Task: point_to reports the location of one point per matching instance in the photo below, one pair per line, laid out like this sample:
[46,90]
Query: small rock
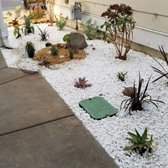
[129,91]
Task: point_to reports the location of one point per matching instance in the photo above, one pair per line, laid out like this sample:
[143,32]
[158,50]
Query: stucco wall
[151,17]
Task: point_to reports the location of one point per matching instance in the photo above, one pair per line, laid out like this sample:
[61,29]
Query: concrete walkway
[37,128]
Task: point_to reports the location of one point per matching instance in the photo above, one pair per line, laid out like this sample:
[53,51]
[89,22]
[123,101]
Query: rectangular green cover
[98,107]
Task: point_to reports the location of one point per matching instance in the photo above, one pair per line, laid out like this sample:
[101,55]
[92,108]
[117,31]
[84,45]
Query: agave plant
[138,97]
[121,75]
[140,143]
[43,34]
[82,83]
[164,71]
[27,27]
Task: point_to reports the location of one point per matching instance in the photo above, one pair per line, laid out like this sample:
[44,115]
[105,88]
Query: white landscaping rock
[100,69]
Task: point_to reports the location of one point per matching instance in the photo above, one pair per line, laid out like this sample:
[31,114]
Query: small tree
[119,24]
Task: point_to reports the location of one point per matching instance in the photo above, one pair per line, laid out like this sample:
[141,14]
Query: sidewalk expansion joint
[36,125]
[14,79]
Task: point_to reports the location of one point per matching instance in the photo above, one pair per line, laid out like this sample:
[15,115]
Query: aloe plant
[140,143]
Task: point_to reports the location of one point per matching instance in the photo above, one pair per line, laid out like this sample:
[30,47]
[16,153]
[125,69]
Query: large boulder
[76,41]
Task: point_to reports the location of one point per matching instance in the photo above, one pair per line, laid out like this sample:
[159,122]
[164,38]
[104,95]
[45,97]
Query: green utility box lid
[98,107]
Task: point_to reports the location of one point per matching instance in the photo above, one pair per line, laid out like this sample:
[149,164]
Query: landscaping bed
[100,68]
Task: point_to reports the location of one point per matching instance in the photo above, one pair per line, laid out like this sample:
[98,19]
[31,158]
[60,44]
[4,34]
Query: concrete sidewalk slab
[2,61]
[61,144]
[9,74]
[29,101]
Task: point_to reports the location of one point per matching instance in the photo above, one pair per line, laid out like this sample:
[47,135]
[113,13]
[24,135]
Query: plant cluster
[164,71]
[138,97]
[17,29]
[140,143]
[30,50]
[43,34]
[121,76]
[119,24]
[82,83]
[61,22]
[90,29]
[28,28]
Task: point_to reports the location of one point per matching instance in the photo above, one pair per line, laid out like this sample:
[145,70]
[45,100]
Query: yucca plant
[163,71]
[43,34]
[30,49]
[138,97]
[140,143]
[54,51]
[82,83]
[121,76]
[27,27]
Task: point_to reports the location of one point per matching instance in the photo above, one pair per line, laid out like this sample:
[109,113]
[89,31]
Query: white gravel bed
[100,68]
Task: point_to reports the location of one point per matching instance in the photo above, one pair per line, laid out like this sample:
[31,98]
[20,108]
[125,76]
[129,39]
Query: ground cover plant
[138,97]
[119,24]
[140,143]
[163,72]
[61,22]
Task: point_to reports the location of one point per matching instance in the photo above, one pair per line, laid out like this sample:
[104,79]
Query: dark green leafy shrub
[90,29]
[61,22]
[66,37]
[164,71]
[43,34]
[54,51]
[138,97]
[121,75]
[140,143]
[119,25]
[30,50]
[27,28]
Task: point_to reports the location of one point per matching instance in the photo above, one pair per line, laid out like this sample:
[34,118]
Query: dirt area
[62,56]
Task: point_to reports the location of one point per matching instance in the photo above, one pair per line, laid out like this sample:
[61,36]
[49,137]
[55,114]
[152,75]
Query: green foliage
[138,97]
[121,75]
[66,37]
[119,24]
[27,28]
[90,29]
[30,49]
[43,33]
[164,71]
[140,143]
[61,22]
[16,31]
[54,51]
[71,53]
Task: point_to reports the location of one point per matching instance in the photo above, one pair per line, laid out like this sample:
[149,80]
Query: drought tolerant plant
[61,22]
[54,51]
[119,24]
[43,34]
[27,27]
[66,37]
[30,50]
[90,29]
[164,71]
[16,31]
[138,97]
[82,83]
[121,76]
[140,143]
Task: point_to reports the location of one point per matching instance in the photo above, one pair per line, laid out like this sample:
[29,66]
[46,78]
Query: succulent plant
[30,49]
[82,83]
[121,76]
[27,28]
[43,34]
[140,143]
[54,51]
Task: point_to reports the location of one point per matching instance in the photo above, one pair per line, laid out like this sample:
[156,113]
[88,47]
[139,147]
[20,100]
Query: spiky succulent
[82,83]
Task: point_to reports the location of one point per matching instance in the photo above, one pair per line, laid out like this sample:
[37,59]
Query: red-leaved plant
[82,83]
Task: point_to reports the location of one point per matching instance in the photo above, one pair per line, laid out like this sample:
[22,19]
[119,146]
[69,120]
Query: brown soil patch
[63,54]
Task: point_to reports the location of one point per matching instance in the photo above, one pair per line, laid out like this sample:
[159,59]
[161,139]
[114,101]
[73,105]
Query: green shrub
[119,25]
[30,50]
[61,22]
[54,51]
[90,29]
[66,37]
[140,143]
[121,75]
